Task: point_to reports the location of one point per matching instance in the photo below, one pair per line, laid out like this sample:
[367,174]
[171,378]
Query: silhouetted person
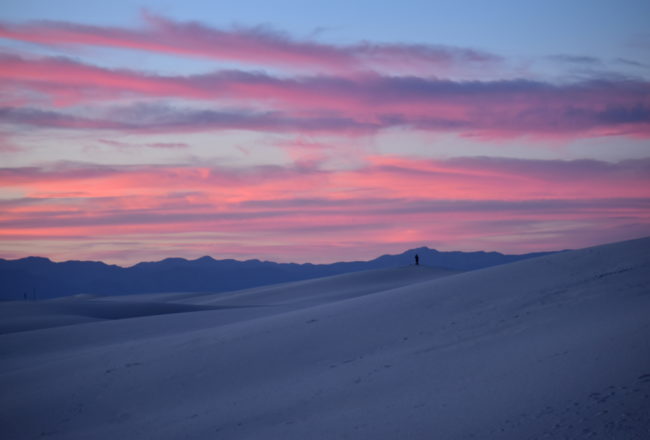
[417,260]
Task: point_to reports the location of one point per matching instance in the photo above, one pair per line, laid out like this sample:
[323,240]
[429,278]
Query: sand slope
[554,347]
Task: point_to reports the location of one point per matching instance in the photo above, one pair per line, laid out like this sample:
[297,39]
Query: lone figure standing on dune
[417,260]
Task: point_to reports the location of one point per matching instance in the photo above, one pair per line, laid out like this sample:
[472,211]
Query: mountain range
[41,278]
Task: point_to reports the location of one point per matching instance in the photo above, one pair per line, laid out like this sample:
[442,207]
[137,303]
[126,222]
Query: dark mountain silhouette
[40,278]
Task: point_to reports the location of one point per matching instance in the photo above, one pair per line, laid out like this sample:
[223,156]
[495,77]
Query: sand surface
[550,348]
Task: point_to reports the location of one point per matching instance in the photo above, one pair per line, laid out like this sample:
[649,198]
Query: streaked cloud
[261,45]
[372,102]
[384,192]
[274,151]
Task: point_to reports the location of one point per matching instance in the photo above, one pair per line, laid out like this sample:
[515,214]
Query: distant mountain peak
[36,260]
[422,249]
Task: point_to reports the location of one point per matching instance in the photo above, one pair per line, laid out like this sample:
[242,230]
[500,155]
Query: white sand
[555,347]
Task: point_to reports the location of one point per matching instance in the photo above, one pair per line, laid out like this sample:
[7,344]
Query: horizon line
[293,262]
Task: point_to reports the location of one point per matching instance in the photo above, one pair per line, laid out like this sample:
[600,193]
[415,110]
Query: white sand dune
[22,316]
[554,347]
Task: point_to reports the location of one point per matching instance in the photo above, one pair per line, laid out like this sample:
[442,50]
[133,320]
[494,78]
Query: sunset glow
[256,140]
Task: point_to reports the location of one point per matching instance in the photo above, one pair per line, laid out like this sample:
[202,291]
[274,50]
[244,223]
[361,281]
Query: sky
[323,131]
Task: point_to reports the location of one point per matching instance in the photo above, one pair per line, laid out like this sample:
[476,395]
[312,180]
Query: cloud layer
[387,200]
[368,102]
[253,45]
[296,95]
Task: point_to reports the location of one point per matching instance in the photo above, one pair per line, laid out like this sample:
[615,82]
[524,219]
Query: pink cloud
[69,82]
[388,202]
[380,178]
[255,45]
[331,104]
